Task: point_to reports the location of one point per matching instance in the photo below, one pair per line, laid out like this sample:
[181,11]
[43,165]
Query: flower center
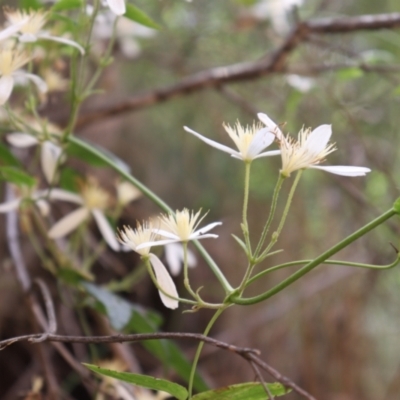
[11,60]
[94,196]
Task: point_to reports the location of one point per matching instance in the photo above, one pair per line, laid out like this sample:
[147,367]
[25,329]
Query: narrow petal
[10,206]
[39,82]
[207,228]
[262,139]
[165,282]
[49,159]
[212,143]
[105,229]
[319,138]
[117,6]
[20,139]
[174,257]
[11,30]
[6,87]
[166,234]
[156,243]
[64,195]
[271,125]
[63,40]
[269,154]
[196,236]
[67,224]
[27,38]
[343,170]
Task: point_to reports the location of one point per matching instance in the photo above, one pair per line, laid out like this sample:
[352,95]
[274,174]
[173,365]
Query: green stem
[319,260]
[245,225]
[271,214]
[155,199]
[329,262]
[199,348]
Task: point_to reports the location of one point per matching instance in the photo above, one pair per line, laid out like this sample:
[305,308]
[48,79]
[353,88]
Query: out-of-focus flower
[300,83]
[250,141]
[30,24]
[10,63]
[134,238]
[126,193]
[37,196]
[93,200]
[55,82]
[117,6]
[127,32]
[51,153]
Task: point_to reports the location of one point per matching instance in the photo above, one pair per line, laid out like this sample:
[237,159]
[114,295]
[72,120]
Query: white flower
[10,62]
[50,156]
[174,257]
[300,83]
[143,234]
[250,141]
[93,201]
[36,196]
[117,6]
[126,193]
[181,227]
[27,26]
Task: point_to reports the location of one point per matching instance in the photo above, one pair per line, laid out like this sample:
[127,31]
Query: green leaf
[75,150]
[351,73]
[144,380]
[69,179]
[74,276]
[7,158]
[62,5]
[135,14]
[16,176]
[243,391]
[30,4]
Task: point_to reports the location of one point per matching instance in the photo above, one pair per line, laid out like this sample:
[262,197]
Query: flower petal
[64,195]
[6,87]
[10,205]
[343,170]
[212,143]
[67,224]
[174,257]
[49,159]
[196,236]
[27,38]
[262,139]
[165,282]
[269,154]
[39,82]
[166,234]
[117,6]
[63,40]
[319,138]
[105,229]
[207,228]
[20,139]
[12,29]
[271,125]
[156,243]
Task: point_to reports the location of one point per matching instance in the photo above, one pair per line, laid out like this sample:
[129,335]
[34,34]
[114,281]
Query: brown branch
[251,355]
[215,77]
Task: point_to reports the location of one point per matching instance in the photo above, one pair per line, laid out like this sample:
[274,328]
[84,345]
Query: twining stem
[328,262]
[317,261]
[200,347]
[271,214]
[155,199]
[245,225]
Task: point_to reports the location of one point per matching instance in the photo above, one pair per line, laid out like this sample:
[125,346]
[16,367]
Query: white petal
[262,139]
[6,87]
[49,159]
[67,224]
[27,38]
[207,228]
[117,6]
[344,170]
[174,257]
[43,207]
[156,243]
[269,154]
[11,30]
[20,139]
[166,234]
[105,229]
[196,236]
[64,195]
[271,125]
[63,40]
[39,82]
[212,143]
[165,282]
[319,138]
[10,206]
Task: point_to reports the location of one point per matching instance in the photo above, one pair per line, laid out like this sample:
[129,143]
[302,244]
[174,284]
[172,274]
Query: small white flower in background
[127,193]
[51,153]
[30,24]
[300,83]
[10,63]
[37,196]
[181,227]
[143,234]
[250,141]
[93,200]
[309,150]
